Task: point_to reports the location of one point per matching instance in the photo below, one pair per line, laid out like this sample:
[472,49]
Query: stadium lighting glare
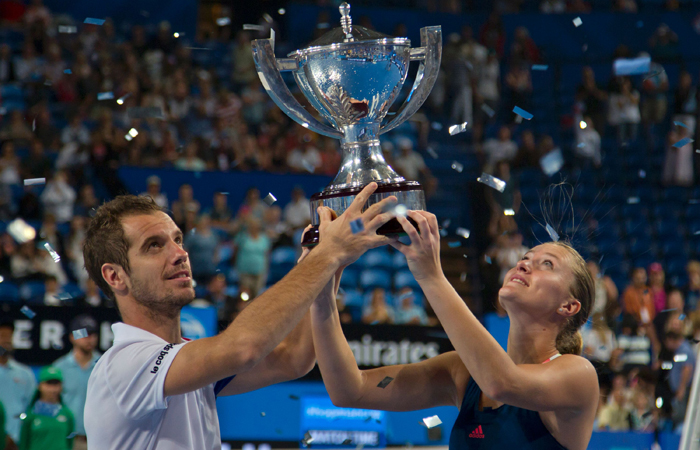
[583,125]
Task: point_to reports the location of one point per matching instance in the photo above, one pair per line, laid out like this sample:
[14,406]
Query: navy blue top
[506,427]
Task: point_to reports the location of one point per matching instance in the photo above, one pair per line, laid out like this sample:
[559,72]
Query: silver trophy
[351,76]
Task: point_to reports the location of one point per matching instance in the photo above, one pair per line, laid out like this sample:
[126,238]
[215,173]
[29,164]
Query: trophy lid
[348,33]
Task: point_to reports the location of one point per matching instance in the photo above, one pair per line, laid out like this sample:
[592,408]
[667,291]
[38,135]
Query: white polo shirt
[126,408]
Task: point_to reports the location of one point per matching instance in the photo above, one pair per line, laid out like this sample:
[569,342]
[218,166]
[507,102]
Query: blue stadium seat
[353,297]
[378,257]
[666,210]
[675,195]
[637,228]
[9,292]
[667,228]
[399,261]
[404,279]
[283,255]
[349,278]
[232,276]
[692,211]
[635,211]
[32,291]
[278,271]
[372,278]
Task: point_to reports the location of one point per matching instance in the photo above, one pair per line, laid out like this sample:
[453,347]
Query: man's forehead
[139,227]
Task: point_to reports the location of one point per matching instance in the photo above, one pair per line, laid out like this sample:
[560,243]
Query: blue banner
[198,322]
[329,425]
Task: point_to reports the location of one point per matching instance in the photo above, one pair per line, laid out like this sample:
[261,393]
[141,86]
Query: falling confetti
[540,67]
[488,110]
[385,382]
[27,312]
[223,21]
[552,162]
[263,414]
[437,126]
[459,128]
[432,153]
[92,21]
[66,29]
[683,142]
[632,200]
[459,167]
[642,173]
[681,124]
[522,113]
[632,66]
[308,439]
[308,166]
[454,244]
[34,181]
[56,257]
[432,421]
[79,334]
[462,232]
[578,22]
[509,212]
[253,27]
[120,100]
[492,181]
[357,226]
[347,441]
[400,210]
[144,112]
[21,231]
[552,233]
[487,259]
[463,277]
[270,199]
[105,95]
[67,72]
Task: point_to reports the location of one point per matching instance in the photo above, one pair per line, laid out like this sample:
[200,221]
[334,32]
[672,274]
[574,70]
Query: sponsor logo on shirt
[159,359]
[477,433]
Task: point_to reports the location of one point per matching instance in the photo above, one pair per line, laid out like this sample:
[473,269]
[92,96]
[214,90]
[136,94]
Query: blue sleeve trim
[221,384]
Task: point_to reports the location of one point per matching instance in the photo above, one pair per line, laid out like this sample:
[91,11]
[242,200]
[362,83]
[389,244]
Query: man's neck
[163,326]
[4,360]
[81,357]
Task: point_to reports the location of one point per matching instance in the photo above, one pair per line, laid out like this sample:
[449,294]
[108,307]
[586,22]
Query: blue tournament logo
[192,327]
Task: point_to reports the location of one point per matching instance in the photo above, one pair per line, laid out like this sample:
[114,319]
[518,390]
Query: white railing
[690,440]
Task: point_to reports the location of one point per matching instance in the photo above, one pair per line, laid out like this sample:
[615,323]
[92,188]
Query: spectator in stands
[637,300]
[58,197]
[48,423]
[190,159]
[378,311]
[523,49]
[681,374]
[75,132]
[76,366]
[330,157]
[673,317]
[528,154]
[220,213]
[305,157]
[297,213]
[52,292]
[588,144]
[643,416]
[606,293]
[625,6]
[202,244]
[488,89]
[185,203]
[17,384]
[226,305]
[153,191]
[44,129]
[519,85]
[657,280]
[409,312]
[87,202]
[493,35]
[7,65]
[692,290]
[92,296]
[664,44]
[506,202]
[25,263]
[686,102]
[243,64]
[592,99]
[508,250]
[623,111]
[678,164]
[28,65]
[599,343]
[252,248]
[9,164]
[49,233]
[343,310]
[633,346]
[654,97]
[615,416]
[501,149]
[36,164]
[277,230]
[411,165]
[7,249]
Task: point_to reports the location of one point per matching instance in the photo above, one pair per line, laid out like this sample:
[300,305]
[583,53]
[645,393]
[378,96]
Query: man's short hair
[8,324]
[105,241]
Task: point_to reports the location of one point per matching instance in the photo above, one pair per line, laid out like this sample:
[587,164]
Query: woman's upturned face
[540,282]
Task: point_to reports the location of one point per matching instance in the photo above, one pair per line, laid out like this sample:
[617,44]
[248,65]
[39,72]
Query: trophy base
[408,193]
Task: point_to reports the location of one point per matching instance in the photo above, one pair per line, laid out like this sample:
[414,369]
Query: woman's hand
[423,254]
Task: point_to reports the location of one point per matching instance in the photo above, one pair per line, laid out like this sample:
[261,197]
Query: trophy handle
[429,54]
[269,73]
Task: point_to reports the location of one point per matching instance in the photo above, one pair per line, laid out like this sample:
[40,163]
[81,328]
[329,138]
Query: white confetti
[34,181]
[270,199]
[552,162]
[432,421]
[462,232]
[509,212]
[492,181]
[488,110]
[105,95]
[67,29]
[79,334]
[432,152]
[27,312]
[457,166]
[223,21]
[456,129]
[253,27]
[632,200]
[578,22]
[21,231]
[552,233]
[56,257]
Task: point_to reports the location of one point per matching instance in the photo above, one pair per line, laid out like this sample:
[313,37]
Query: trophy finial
[346,21]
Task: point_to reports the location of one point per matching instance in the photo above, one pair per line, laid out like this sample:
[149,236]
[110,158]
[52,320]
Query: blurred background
[607,161]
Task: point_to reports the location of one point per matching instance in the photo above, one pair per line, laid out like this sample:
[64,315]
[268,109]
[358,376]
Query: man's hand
[336,236]
[423,255]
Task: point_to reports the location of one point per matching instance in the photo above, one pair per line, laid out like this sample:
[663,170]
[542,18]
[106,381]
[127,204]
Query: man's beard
[168,305]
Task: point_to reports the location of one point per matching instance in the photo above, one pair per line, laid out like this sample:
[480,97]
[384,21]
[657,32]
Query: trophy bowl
[351,76]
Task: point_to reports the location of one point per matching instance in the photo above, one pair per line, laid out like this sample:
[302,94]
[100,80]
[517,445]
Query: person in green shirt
[48,424]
